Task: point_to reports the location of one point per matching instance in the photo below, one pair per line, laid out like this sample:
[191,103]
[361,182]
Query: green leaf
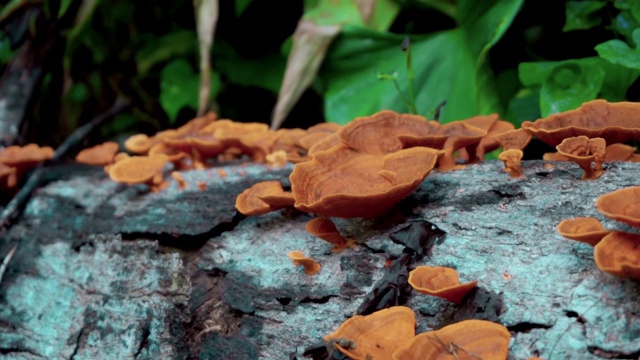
[156,50]
[265,72]
[241,6]
[568,86]
[634,6]
[332,12]
[6,53]
[179,86]
[448,66]
[618,52]
[613,85]
[446,72]
[624,23]
[446,7]
[64,6]
[582,15]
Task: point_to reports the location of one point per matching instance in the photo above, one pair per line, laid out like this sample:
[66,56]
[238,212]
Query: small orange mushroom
[583,229]
[374,336]
[311,267]
[277,158]
[177,176]
[262,198]
[138,144]
[468,339]
[584,151]
[513,139]
[441,282]
[326,230]
[619,254]
[512,159]
[621,205]
[101,155]
[202,186]
[140,170]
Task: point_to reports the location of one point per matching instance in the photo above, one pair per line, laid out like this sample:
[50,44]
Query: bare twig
[6,260]
[14,208]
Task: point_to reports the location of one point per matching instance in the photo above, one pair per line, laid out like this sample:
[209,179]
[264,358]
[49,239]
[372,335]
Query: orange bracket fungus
[263,197]
[8,178]
[583,229]
[140,170]
[619,254]
[621,205]
[459,135]
[101,155]
[488,143]
[512,159]
[138,144]
[381,133]
[342,182]
[584,151]
[24,158]
[441,282]
[311,267]
[614,122]
[374,336]
[469,339]
[326,230]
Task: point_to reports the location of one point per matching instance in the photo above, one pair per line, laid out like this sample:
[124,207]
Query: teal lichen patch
[124,297]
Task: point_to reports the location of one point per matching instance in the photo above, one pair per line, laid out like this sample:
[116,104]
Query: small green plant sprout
[409,102]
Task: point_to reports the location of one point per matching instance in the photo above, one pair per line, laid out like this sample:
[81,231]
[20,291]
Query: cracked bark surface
[220,286]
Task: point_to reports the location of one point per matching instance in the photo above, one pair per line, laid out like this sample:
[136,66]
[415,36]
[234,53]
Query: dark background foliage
[548,56]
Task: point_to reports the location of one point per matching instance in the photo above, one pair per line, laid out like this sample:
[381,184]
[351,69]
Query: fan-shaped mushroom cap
[583,151]
[324,127]
[374,336]
[311,267]
[584,229]
[379,133]
[441,282]
[469,339]
[24,158]
[621,205]
[101,155]
[614,122]
[262,198]
[139,169]
[138,144]
[342,182]
[310,139]
[513,139]
[487,143]
[325,144]
[326,230]
[459,135]
[174,155]
[512,161]
[619,254]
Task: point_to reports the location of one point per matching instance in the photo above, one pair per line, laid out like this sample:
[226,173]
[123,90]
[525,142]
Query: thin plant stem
[406,46]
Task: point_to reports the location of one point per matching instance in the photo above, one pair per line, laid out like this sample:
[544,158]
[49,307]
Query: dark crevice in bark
[186,241]
[77,347]
[612,354]
[525,327]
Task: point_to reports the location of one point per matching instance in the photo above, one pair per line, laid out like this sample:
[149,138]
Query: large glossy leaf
[624,23]
[265,72]
[447,67]
[618,52]
[611,81]
[568,86]
[179,86]
[582,15]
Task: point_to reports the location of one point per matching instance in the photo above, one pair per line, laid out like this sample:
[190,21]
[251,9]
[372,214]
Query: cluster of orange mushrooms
[614,252]
[390,334]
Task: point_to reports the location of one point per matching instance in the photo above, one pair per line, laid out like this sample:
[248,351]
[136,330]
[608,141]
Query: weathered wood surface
[105,271]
